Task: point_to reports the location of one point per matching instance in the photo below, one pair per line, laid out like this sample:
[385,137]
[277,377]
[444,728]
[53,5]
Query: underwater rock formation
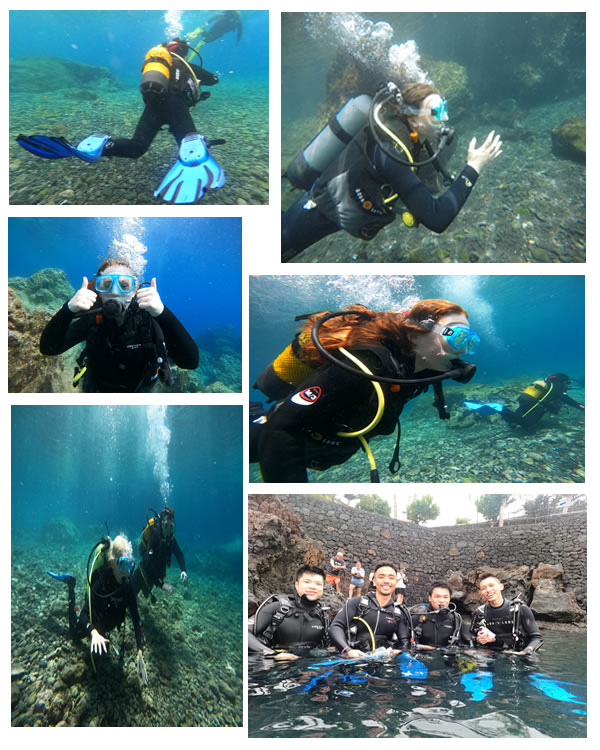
[59,531]
[41,74]
[47,289]
[568,140]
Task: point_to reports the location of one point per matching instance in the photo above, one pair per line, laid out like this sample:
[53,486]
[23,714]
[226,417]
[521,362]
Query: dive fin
[90,149]
[194,170]
[54,147]
[484,409]
[66,577]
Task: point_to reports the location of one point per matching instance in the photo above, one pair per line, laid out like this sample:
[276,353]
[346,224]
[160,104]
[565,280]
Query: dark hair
[385,564]
[487,575]
[439,585]
[113,262]
[314,569]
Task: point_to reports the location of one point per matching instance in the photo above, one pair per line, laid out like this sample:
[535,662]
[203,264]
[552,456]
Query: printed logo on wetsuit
[467,181]
[307,397]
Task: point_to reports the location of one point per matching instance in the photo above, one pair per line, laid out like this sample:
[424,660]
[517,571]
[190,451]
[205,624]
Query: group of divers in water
[113,581]
[347,375]
[171,86]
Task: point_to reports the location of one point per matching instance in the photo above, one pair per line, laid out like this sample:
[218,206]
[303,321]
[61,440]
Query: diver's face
[432,350]
[426,125]
[168,528]
[310,585]
[385,581]
[438,598]
[114,292]
[491,590]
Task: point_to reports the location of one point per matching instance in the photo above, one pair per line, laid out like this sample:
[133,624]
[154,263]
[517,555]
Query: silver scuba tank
[312,161]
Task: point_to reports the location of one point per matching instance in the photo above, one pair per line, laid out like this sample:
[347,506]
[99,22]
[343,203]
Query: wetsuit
[291,623]
[121,358]
[351,193]
[229,20]
[110,602]
[156,557]
[300,432]
[389,624]
[501,621]
[540,397]
[440,628]
[171,108]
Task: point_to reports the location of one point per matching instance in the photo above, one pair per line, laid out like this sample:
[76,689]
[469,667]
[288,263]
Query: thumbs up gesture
[83,299]
[149,299]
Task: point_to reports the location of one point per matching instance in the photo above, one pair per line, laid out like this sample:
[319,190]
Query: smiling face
[385,581]
[432,350]
[439,597]
[491,590]
[310,585]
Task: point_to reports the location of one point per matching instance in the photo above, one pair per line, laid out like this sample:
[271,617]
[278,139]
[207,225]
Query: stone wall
[433,553]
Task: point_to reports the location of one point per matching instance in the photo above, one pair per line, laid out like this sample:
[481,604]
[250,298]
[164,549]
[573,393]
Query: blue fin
[485,409]
[478,684]
[51,147]
[411,667]
[66,577]
[194,170]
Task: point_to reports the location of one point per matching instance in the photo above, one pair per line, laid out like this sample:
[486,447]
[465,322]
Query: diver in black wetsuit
[504,624]
[166,105]
[128,331]
[327,411]
[436,625]
[157,545]
[358,191]
[228,20]
[109,595]
[367,622]
[541,397]
[293,624]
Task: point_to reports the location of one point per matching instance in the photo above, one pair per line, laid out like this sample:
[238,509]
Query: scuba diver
[109,595]
[157,545]
[348,375]
[128,331]
[504,624]
[367,160]
[223,23]
[538,398]
[366,623]
[286,627]
[170,87]
[438,624]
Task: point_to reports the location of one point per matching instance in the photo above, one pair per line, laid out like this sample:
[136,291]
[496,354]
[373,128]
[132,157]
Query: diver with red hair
[347,376]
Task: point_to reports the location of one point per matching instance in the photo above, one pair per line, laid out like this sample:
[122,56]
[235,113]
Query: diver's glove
[99,643]
[141,668]
[184,577]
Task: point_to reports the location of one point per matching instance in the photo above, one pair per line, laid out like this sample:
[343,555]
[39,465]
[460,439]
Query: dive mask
[125,565]
[115,282]
[459,337]
[441,111]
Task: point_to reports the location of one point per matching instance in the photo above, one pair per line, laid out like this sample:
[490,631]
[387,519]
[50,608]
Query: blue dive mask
[125,565]
[461,339]
[107,282]
[441,111]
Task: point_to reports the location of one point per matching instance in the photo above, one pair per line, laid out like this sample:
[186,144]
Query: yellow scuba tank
[145,535]
[156,71]
[537,389]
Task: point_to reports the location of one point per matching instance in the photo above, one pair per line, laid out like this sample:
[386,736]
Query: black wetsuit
[110,602]
[156,557]
[362,176]
[119,358]
[171,108]
[531,408]
[229,20]
[439,628]
[389,625]
[301,431]
[303,626]
[500,620]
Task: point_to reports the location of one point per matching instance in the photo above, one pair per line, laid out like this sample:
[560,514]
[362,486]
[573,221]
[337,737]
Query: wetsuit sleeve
[261,623]
[475,625]
[281,442]
[571,402]
[205,77]
[434,213]
[337,631]
[466,637]
[529,625]
[178,555]
[403,632]
[63,332]
[180,345]
[135,618]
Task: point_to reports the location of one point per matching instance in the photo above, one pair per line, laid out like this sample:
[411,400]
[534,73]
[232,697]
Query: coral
[568,139]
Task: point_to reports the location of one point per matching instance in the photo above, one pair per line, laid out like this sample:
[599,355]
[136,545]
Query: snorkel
[391,93]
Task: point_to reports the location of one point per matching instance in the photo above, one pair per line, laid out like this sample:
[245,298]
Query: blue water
[119,40]
[530,326]
[93,464]
[196,262]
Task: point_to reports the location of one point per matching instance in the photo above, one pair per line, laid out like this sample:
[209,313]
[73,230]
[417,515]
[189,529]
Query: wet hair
[375,328]
[312,569]
[487,575]
[120,546]
[439,585]
[385,564]
[414,93]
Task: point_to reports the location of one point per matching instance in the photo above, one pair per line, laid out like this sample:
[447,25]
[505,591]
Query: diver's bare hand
[149,299]
[99,643]
[479,158]
[285,656]
[83,299]
[355,653]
